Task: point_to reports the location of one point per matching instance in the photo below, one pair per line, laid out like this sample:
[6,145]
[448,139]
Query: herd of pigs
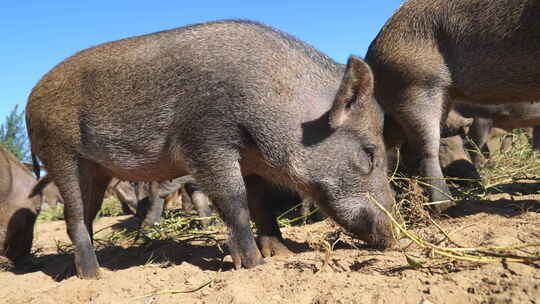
[240,110]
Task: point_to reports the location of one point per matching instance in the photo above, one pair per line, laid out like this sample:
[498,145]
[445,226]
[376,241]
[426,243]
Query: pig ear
[356,88]
[39,186]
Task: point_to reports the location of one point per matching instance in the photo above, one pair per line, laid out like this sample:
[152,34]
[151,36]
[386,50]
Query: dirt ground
[350,273]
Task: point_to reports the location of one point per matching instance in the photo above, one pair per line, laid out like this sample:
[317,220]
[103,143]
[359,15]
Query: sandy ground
[350,273]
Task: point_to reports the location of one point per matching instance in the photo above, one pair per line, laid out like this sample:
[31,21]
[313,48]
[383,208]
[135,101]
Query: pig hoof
[271,246]
[437,209]
[248,260]
[250,263]
[95,275]
[247,263]
[88,273]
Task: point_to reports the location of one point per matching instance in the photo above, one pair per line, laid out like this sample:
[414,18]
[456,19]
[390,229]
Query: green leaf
[414,262]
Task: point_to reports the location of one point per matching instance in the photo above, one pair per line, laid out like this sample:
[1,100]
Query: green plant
[54,213]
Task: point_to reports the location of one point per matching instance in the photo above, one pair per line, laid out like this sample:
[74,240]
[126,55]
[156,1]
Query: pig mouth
[371,223]
[375,235]
[377,240]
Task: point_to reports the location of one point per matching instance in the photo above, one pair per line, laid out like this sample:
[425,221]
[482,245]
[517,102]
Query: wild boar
[229,99]
[432,52]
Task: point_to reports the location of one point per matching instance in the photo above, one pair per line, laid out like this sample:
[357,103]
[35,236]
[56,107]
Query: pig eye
[370,150]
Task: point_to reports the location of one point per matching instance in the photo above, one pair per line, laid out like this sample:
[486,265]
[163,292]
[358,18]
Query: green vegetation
[55,213]
[177,225]
[509,173]
[512,173]
[13,135]
[518,163]
[110,207]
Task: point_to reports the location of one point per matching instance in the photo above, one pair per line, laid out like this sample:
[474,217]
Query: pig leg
[201,202]
[155,206]
[187,204]
[308,207]
[128,200]
[479,133]
[93,192]
[220,177]
[269,234]
[486,152]
[71,181]
[171,200]
[507,142]
[423,134]
[536,139]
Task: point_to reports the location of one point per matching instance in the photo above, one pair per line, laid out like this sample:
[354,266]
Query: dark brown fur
[220,101]
[433,51]
[148,200]
[504,116]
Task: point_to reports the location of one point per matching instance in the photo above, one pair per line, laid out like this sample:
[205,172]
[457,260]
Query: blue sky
[36,35]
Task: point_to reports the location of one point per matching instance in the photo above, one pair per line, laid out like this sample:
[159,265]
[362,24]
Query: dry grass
[408,216]
[519,163]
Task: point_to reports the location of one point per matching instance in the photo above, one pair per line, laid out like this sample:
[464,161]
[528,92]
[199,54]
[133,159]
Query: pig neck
[294,126]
